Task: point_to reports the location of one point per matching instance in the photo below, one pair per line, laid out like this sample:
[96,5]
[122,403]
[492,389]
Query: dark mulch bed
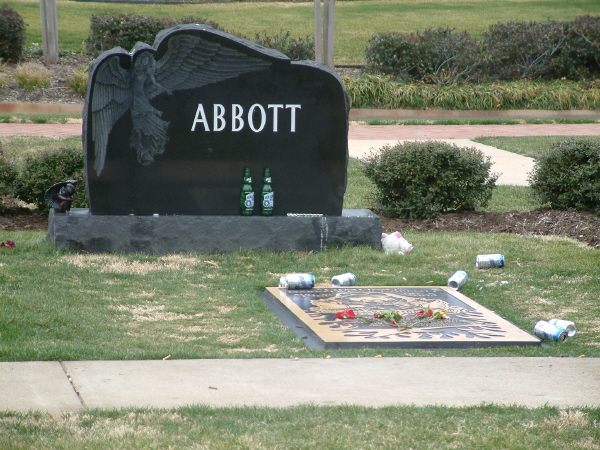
[580,225]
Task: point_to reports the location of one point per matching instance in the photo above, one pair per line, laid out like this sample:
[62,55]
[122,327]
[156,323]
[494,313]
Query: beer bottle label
[249,202]
[268,200]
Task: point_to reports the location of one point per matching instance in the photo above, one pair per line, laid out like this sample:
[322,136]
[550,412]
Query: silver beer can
[458,280]
[297,281]
[566,325]
[488,261]
[345,279]
[549,332]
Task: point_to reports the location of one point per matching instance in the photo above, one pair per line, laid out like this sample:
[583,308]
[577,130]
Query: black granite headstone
[169,129]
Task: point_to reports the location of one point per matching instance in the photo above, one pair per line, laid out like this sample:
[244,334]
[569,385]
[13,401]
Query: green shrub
[513,50]
[423,179]
[521,49]
[580,56]
[43,169]
[125,30]
[31,76]
[12,34]
[434,56]
[8,175]
[297,49]
[567,175]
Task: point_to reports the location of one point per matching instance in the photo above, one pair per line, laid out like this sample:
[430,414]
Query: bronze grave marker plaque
[311,314]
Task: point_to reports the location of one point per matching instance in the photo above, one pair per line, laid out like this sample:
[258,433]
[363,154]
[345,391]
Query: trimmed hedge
[567,175]
[424,179]
[12,34]
[45,168]
[125,30]
[507,51]
[433,56]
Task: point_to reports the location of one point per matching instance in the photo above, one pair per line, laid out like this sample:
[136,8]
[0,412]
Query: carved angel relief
[189,62]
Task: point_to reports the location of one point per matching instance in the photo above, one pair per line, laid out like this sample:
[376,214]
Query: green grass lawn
[356,21]
[306,427]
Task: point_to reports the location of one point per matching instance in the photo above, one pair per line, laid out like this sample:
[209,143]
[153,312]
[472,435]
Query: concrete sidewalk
[76,385]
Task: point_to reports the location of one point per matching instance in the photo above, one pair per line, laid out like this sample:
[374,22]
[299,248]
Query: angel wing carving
[189,62]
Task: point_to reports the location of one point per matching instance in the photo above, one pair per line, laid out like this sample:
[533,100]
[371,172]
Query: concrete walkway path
[76,385]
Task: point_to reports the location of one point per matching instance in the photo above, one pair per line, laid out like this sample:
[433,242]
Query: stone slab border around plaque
[81,231]
[310,313]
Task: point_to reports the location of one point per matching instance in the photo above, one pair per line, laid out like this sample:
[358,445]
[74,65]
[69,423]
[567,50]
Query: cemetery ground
[60,305]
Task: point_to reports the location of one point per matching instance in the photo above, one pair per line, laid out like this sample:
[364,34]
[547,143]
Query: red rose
[345,314]
[425,312]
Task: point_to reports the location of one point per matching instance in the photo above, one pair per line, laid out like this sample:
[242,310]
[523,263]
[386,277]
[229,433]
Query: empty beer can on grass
[566,325]
[458,280]
[345,279]
[549,332]
[297,281]
[488,261]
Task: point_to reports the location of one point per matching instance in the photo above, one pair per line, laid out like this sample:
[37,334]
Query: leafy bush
[12,34]
[520,49]
[512,50]
[434,56]
[580,56]
[8,175]
[43,169]
[297,49]
[125,30]
[31,76]
[423,179]
[567,175]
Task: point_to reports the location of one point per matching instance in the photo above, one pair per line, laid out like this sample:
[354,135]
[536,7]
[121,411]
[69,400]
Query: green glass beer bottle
[247,194]
[267,195]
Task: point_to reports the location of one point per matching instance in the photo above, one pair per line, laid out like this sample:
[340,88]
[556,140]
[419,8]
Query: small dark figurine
[60,196]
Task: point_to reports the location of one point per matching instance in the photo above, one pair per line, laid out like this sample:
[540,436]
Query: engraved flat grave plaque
[312,312]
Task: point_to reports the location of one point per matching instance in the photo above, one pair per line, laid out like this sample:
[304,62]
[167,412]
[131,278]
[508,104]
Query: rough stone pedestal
[79,230]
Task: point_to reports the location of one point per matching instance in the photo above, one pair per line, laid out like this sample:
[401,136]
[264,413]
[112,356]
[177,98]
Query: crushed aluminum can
[566,325]
[297,281]
[345,279]
[549,332]
[458,280]
[488,261]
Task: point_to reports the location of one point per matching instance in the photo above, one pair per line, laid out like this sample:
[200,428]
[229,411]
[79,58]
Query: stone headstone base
[81,231]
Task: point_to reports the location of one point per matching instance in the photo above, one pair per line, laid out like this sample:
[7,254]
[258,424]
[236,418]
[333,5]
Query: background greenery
[356,21]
